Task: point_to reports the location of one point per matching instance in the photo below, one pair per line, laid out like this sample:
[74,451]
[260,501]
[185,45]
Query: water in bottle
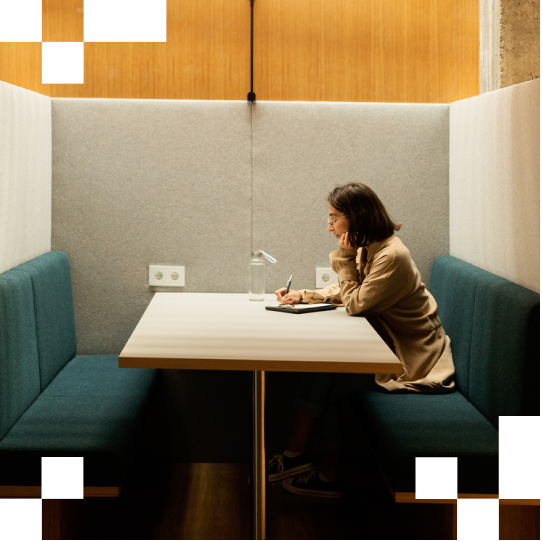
[256,286]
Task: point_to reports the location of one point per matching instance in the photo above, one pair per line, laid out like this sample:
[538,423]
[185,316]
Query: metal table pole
[258,456]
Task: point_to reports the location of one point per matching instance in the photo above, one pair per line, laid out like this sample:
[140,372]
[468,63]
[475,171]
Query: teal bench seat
[493,325]
[402,427]
[53,402]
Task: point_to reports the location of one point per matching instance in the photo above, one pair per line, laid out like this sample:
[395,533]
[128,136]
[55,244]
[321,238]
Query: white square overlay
[125,20]
[20,519]
[520,472]
[477,519]
[436,478]
[63,62]
[62,477]
[20,20]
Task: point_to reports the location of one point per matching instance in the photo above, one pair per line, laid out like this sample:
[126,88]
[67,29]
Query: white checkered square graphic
[436,478]
[20,519]
[62,478]
[519,457]
[20,20]
[477,519]
[125,20]
[63,62]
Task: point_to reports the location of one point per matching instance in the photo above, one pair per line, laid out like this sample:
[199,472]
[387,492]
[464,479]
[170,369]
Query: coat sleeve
[384,285]
[330,294]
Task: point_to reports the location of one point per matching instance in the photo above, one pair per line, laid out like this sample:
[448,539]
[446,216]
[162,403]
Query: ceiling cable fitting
[251,96]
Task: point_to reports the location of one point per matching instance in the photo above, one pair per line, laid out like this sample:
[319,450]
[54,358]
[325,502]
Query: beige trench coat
[384,285]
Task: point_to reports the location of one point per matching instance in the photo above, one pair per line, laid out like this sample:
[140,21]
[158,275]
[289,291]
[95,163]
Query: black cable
[251,95]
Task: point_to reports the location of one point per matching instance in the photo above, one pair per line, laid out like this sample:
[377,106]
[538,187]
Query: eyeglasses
[331,221]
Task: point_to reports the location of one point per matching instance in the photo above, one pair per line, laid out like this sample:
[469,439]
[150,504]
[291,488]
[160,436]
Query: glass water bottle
[256,287]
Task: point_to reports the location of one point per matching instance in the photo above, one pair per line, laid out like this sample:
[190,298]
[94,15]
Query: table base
[258,456]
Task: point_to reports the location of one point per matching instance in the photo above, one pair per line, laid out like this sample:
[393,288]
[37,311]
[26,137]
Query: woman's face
[339,226]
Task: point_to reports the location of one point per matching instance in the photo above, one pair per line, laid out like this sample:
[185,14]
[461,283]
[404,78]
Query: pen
[286,293]
[288,286]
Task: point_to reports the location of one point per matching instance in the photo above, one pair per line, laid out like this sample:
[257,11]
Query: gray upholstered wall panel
[139,182]
[301,151]
[495,182]
[25,175]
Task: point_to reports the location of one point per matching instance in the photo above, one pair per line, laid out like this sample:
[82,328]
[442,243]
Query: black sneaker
[281,466]
[312,485]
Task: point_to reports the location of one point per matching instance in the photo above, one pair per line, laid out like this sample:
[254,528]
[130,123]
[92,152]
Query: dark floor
[167,500]
[212,501]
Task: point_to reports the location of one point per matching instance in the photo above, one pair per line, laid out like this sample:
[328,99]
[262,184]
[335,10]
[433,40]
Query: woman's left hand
[344,243]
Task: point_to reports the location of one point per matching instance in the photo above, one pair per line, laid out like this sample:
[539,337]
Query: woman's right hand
[293,297]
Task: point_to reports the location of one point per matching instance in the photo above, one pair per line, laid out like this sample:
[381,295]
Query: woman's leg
[303,425]
[319,397]
[328,438]
[312,393]
[309,405]
[329,466]
[330,433]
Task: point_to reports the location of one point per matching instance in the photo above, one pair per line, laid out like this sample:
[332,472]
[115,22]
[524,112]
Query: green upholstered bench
[52,401]
[493,325]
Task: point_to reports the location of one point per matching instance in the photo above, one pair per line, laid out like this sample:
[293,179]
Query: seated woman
[377,280]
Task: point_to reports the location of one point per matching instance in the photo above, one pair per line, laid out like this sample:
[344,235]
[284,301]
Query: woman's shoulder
[393,247]
[393,256]
[398,246]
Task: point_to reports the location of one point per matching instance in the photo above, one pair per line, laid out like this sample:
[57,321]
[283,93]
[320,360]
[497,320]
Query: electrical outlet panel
[166,276]
[325,276]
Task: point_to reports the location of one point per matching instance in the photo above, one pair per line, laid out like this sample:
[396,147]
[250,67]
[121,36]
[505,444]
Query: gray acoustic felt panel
[140,182]
[301,151]
[200,184]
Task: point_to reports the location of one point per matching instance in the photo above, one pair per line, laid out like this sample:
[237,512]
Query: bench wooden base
[518,519]
[410,497]
[58,516]
[35,492]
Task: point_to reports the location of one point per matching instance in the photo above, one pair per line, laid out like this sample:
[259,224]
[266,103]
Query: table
[226,331]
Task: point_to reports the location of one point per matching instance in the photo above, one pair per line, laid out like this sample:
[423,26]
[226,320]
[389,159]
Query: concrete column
[509,43]
[520,41]
[490,36]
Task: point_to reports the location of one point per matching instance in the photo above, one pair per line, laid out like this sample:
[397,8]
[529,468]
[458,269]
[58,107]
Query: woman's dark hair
[367,217]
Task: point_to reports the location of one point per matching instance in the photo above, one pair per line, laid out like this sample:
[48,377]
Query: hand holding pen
[285,295]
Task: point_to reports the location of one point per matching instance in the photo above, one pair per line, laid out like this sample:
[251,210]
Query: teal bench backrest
[494,328]
[19,364]
[53,303]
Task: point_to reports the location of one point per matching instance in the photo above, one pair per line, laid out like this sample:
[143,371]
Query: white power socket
[325,276]
[166,275]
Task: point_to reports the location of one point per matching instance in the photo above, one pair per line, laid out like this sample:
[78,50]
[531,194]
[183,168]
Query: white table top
[226,331]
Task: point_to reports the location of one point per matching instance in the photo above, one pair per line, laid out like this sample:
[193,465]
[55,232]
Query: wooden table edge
[261,366]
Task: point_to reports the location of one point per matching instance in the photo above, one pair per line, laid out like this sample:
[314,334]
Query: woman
[377,280]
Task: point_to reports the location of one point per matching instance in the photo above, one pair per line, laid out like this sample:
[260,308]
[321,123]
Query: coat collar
[375,247]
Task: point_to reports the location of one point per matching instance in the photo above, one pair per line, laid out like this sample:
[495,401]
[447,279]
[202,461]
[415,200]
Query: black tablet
[301,308]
